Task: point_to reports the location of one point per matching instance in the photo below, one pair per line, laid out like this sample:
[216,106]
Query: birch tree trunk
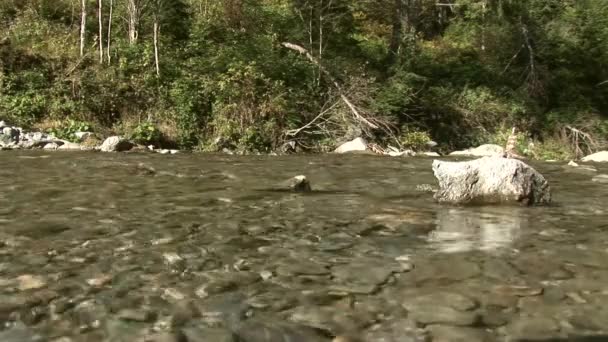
[156,33]
[133,20]
[110,31]
[100,17]
[83,24]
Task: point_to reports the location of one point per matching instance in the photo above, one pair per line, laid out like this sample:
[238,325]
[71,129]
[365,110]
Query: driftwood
[343,97]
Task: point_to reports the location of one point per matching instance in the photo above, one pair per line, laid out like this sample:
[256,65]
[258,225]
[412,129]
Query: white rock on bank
[51,146]
[115,144]
[11,132]
[406,153]
[490,180]
[430,154]
[355,145]
[70,146]
[599,157]
[487,150]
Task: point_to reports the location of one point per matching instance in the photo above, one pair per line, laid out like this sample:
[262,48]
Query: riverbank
[12,137]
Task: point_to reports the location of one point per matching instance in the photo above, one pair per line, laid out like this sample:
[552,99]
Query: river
[193,247]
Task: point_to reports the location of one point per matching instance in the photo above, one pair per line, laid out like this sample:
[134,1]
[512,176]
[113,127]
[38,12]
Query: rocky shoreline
[16,138]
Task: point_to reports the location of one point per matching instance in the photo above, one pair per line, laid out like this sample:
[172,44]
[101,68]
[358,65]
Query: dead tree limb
[579,138]
[344,98]
[295,132]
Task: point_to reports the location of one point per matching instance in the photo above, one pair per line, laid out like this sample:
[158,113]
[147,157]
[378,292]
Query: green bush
[415,140]
[67,130]
[146,133]
[552,149]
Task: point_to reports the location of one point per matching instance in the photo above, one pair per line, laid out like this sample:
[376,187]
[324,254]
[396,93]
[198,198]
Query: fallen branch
[344,98]
[578,138]
[295,132]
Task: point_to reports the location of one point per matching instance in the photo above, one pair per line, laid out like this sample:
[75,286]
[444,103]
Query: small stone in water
[172,258]
[519,291]
[266,275]
[172,294]
[99,281]
[161,241]
[298,184]
[137,315]
[30,282]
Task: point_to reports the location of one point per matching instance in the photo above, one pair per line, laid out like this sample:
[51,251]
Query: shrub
[415,140]
[146,133]
[67,129]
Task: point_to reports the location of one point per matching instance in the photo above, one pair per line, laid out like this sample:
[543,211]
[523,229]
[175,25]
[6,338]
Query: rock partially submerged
[599,157]
[487,150]
[298,184]
[490,180]
[355,145]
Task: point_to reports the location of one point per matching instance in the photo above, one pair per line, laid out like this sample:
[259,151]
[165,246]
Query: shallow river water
[145,247]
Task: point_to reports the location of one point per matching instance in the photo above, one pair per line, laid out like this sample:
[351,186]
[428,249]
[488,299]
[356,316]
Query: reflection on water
[477,228]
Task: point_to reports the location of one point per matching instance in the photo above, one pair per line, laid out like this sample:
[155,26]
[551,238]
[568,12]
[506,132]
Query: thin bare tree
[156,33]
[110,31]
[100,17]
[83,24]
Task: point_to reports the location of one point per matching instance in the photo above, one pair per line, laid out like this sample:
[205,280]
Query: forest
[305,75]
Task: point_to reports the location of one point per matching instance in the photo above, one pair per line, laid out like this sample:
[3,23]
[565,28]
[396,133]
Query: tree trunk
[83,24]
[100,17]
[110,30]
[156,33]
[397,27]
[133,20]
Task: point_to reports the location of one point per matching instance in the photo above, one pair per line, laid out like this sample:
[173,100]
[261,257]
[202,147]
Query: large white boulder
[599,157]
[355,145]
[116,144]
[490,180]
[487,150]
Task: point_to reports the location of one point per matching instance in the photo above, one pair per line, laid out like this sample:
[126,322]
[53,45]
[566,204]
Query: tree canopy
[255,74]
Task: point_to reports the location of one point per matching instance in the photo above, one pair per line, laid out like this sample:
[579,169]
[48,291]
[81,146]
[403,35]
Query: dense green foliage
[462,74]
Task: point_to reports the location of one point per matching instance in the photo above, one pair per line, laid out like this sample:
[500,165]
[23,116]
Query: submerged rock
[486,150]
[490,180]
[115,144]
[599,157]
[355,145]
[20,333]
